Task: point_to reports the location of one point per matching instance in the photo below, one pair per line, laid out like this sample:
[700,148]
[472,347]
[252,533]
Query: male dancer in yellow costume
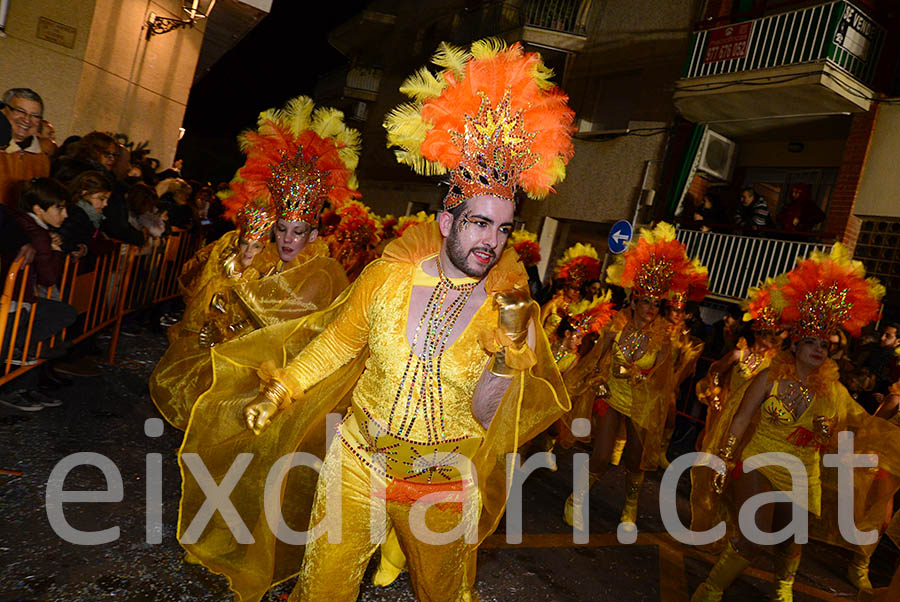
[288,279]
[432,348]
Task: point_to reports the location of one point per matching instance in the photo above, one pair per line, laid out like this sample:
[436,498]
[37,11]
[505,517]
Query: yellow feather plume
[577,250]
[452,58]
[521,236]
[422,85]
[487,48]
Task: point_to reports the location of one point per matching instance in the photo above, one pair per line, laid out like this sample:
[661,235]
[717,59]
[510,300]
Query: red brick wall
[840,218]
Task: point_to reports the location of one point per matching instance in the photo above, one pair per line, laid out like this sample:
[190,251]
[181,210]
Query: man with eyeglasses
[23,158]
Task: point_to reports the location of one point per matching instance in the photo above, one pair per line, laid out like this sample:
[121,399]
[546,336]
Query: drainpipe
[4,9]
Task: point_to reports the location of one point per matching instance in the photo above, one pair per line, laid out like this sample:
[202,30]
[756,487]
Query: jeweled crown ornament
[298,188]
[490,117]
[254,221]
[657,267]
[495,150]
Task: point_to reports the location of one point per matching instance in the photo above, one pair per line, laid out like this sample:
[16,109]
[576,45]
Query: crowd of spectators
[80,199]
[751,214]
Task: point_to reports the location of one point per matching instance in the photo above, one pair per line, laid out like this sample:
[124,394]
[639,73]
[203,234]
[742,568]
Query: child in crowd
[90,191]
[42,206]
[143,213]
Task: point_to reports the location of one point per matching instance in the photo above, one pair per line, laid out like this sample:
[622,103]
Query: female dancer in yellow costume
[633,361]
[795,407]
[212,312]
[578,265]
[722,390]
[685,348]
[288,279]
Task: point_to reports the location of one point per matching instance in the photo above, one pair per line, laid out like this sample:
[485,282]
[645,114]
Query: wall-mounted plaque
[56,33]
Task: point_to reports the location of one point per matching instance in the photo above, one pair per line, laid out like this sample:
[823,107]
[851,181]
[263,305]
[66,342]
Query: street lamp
[195,9]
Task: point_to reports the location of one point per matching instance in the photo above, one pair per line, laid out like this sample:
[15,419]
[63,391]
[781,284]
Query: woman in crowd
[627,378]
[795,407]
[99,152]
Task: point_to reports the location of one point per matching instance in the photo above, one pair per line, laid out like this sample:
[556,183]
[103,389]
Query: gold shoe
[785,571]
[727,568]
[858,573]
[630,511]
[569,510]
[392,562]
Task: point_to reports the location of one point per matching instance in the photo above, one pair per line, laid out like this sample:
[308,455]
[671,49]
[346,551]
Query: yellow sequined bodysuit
[781,430]
[624,374]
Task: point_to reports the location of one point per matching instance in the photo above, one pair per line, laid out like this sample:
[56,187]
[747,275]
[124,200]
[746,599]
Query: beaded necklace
[635,342]
[423,374]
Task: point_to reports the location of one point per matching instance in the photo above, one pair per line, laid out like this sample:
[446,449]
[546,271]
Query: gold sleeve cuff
[277,384]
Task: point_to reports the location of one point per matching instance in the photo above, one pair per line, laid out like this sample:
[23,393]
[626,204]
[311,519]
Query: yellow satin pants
[333,572]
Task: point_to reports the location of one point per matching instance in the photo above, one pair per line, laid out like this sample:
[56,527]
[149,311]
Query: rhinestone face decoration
[495,150]
[298,188]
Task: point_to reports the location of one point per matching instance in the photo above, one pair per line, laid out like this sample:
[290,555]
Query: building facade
[96,68]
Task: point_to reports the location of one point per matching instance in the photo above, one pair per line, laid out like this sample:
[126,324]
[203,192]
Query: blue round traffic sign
[619,236]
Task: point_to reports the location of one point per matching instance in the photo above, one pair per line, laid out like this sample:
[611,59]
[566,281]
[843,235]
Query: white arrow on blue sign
[619,236]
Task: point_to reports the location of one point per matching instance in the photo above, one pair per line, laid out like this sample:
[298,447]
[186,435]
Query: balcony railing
[496,17]
[736,262]
[353,82]
[837,32]
[569,16]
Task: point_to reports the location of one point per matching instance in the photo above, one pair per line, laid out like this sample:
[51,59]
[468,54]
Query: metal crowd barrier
[102,288]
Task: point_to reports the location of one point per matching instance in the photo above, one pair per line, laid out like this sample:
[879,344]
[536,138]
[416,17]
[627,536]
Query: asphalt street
[106,415]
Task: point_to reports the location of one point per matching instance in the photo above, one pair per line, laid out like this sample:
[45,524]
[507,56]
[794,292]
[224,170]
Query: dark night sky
[282,57]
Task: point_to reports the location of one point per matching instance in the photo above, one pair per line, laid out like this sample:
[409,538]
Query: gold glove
[260,412]
[217,302]
[727,455]
[823,429]
[513,314]
[210,335]
[230,265]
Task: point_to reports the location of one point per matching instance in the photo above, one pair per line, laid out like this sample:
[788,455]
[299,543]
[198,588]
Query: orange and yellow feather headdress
[579,264]
[826,292]
[591,316]
[760,306]
[657,267]
[526,245]
[490,117]
[297,157]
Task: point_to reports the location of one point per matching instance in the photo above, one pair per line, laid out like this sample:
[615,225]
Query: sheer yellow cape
[217,433]
[310,282]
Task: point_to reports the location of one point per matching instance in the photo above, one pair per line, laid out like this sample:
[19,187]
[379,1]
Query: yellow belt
[401,458]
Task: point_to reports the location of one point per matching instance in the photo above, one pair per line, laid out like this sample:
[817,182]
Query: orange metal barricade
[119,281]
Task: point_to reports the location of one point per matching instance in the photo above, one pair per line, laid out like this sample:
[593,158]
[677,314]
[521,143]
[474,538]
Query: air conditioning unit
[717,156]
